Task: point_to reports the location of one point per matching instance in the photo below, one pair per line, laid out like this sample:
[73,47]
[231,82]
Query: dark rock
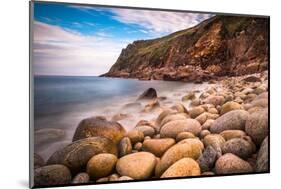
[239,147]
[38,161]
[125,146]
[52,175]
[99,126]
[262,159]
[252,79]
[149,94]
[207,160]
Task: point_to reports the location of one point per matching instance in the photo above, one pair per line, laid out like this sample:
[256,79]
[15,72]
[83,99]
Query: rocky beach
[216,122]
[220,130]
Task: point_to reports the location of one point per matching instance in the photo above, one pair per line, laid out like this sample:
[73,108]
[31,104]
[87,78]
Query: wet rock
[229,106]
[177,152]
[238,147]
[172,128]
[125,146]
[158,146]
[150,93]
[98,126]
[207,160]
[189,96]
[180,108]
[257,126]
[135,136]
[173,117]
[195,102]
[77,154]
[120,116]
[52,175]
[262,159]
[81,178]
[151,105]
[163,114]
[146,130]
[233,120]
[182,168]
[101,165]
[184,135]
[138,165]
[230,164]
[230,134]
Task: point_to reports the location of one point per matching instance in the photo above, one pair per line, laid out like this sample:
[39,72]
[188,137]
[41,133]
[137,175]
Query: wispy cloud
[159,21]
[65,52]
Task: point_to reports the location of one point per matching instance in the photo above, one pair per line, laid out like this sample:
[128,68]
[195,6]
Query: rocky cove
[221,128]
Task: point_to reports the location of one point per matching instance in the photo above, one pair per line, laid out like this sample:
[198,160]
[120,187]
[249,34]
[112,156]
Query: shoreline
[225,122]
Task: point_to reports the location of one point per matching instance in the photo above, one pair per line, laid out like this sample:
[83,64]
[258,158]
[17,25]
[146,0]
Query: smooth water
[61,102]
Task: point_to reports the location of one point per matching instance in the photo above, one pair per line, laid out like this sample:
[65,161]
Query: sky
[74,40]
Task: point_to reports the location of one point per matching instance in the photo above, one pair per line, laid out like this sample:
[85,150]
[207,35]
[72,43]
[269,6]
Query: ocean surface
[61,102]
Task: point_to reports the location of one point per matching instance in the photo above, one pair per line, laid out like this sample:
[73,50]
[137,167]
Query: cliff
[219,46]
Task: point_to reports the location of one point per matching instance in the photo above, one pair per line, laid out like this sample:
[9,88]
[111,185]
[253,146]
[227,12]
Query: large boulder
[99,126]
[101,165]
[229,106]
[124,147]
[184,135]
[52,175]
[182,168]
[257,126]
[215,100]
[77,154]
[163,114]
[146,130]
[216,141]
[138,165]
[230,164]
[173,117]
[233,120]
[262,159]
[194,112]
[150,93]
[238,146]
[172,128]
[158,146]
[135,136]
[177,152]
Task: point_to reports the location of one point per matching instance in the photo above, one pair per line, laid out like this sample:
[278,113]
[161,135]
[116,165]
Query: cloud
[159,21]
[58,51]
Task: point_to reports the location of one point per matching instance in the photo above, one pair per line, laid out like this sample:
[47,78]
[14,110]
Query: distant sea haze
[61,102]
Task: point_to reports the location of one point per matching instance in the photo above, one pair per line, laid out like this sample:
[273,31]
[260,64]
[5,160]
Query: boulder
[238,147]
[180,108]
[77,154]
[216,141]
[194,112]
[208,158]
[138,165]
[146,130]
[135,136]
[257,126]
[184,135]
[52,175]
[182,168]
[177,152]
[125,146]
[262,159]
[99,126]
[172,128]
[81,178]
[158,146]
[215,100]
[206,116]
[233,120]
[229,106]
[204,133]
[231,164]
[230,134]
[207,125]
[162,115]
[101,165]
[173,117]
[150,93]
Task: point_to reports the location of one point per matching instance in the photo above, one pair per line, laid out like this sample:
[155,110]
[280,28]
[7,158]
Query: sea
[61,102]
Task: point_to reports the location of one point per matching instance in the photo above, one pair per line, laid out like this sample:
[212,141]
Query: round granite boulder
[51,175]
[239,147]
[135,136]
[173,128]
[229,106]
[158,146]
[99,126]
[77,154]
[182,168]
[230,134]
[138,165]
[233,120]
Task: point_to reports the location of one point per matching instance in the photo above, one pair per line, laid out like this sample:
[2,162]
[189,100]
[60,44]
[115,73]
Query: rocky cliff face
[219,46]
